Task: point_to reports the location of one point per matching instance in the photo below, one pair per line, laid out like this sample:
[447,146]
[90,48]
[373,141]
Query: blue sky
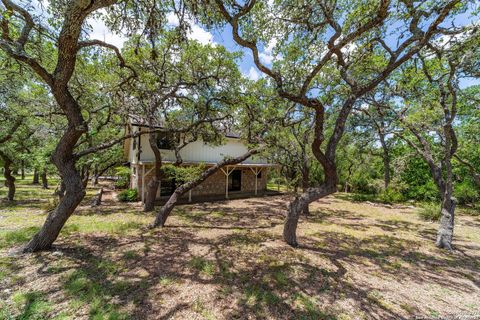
[224,37]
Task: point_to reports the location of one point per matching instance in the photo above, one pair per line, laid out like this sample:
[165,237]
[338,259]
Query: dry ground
[226,260]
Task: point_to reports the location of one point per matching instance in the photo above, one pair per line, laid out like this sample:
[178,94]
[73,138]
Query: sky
[223,37]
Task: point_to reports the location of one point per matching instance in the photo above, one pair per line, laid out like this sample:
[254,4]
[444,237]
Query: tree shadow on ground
[226,262]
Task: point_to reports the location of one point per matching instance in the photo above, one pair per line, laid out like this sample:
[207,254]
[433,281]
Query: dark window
[259,175]
[167,187]
[164,141]
[235,180]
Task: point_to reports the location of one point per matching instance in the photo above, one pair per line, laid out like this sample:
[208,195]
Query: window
[259,175]
[164,141]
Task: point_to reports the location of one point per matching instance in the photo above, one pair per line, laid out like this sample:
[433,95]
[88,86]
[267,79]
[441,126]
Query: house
[248,178]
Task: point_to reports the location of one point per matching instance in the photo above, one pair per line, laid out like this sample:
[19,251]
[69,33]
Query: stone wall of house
[214,185]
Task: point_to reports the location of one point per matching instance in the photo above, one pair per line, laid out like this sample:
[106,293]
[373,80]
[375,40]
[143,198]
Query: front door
[235,181]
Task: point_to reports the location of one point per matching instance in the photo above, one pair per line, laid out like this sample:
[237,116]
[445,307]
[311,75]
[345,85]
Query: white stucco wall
[195,152]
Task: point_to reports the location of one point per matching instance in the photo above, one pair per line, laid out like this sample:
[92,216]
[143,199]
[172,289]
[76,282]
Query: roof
[214,163]
[140,122]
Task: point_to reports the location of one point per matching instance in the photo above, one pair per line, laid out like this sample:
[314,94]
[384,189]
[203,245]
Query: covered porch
[232,181]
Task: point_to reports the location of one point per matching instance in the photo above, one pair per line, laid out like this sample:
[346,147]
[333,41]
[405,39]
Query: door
[235,181]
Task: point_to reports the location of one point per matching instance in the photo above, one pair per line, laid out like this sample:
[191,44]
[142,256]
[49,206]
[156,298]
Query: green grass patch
[310,308]
[430,212]
[256,295]
[202,265]
[32,305]
[15,237]
[83,287]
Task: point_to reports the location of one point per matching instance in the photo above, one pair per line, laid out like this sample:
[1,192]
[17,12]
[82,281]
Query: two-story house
[246,178]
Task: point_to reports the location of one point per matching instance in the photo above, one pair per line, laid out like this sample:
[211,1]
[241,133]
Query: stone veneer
[214,185]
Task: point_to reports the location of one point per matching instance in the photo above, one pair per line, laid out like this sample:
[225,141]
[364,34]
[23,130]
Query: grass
[202,265]
[227,260]
[430,212]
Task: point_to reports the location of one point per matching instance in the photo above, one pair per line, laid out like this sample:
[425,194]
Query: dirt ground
[227,260]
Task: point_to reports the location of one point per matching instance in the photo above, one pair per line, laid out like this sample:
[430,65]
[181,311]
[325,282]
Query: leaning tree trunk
[447,221]
[44,179]
[9,178]
[64,160]
[35,176]
[167,208]
[153,184]
[297,206]
[305,186]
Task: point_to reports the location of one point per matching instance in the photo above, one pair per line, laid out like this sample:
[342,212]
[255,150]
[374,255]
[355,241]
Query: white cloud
[196,33]
[199,34]
[253,74]
[265,57]
[101,32]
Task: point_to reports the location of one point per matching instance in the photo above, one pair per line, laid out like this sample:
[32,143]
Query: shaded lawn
[226,260]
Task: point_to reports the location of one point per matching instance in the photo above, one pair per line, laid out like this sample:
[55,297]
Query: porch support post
[190,195]
[227,172]
[256,171]
[143,183]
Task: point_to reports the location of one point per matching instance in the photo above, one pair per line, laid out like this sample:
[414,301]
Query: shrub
[390,195]
[128,195]
[430,212]
[465,193]
[123,174]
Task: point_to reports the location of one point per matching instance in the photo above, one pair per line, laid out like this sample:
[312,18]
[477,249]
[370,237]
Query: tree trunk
[95,175]
[297,206]
[167,208]
[9,178]
[85,179]
[153,184]
[60,192]
[22,169]
[386,161]
[44,179]
[35,176]
[305,186]
[97,200]
[64,160]
[447,221]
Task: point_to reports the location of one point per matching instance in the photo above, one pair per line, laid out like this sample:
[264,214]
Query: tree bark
[297,206]
[95,175]
[153,184]
[386,158]
[35,176]
[85,175]
[97,200]
[9,178]
[167,208]
[74,193]
[22,169]
[60,192]
[44,179]
[305,186]
[447,221]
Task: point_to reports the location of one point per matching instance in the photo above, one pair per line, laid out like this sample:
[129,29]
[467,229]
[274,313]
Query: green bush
[466,193]
[123,174]
[430,212]
[390,195]
[128,195]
